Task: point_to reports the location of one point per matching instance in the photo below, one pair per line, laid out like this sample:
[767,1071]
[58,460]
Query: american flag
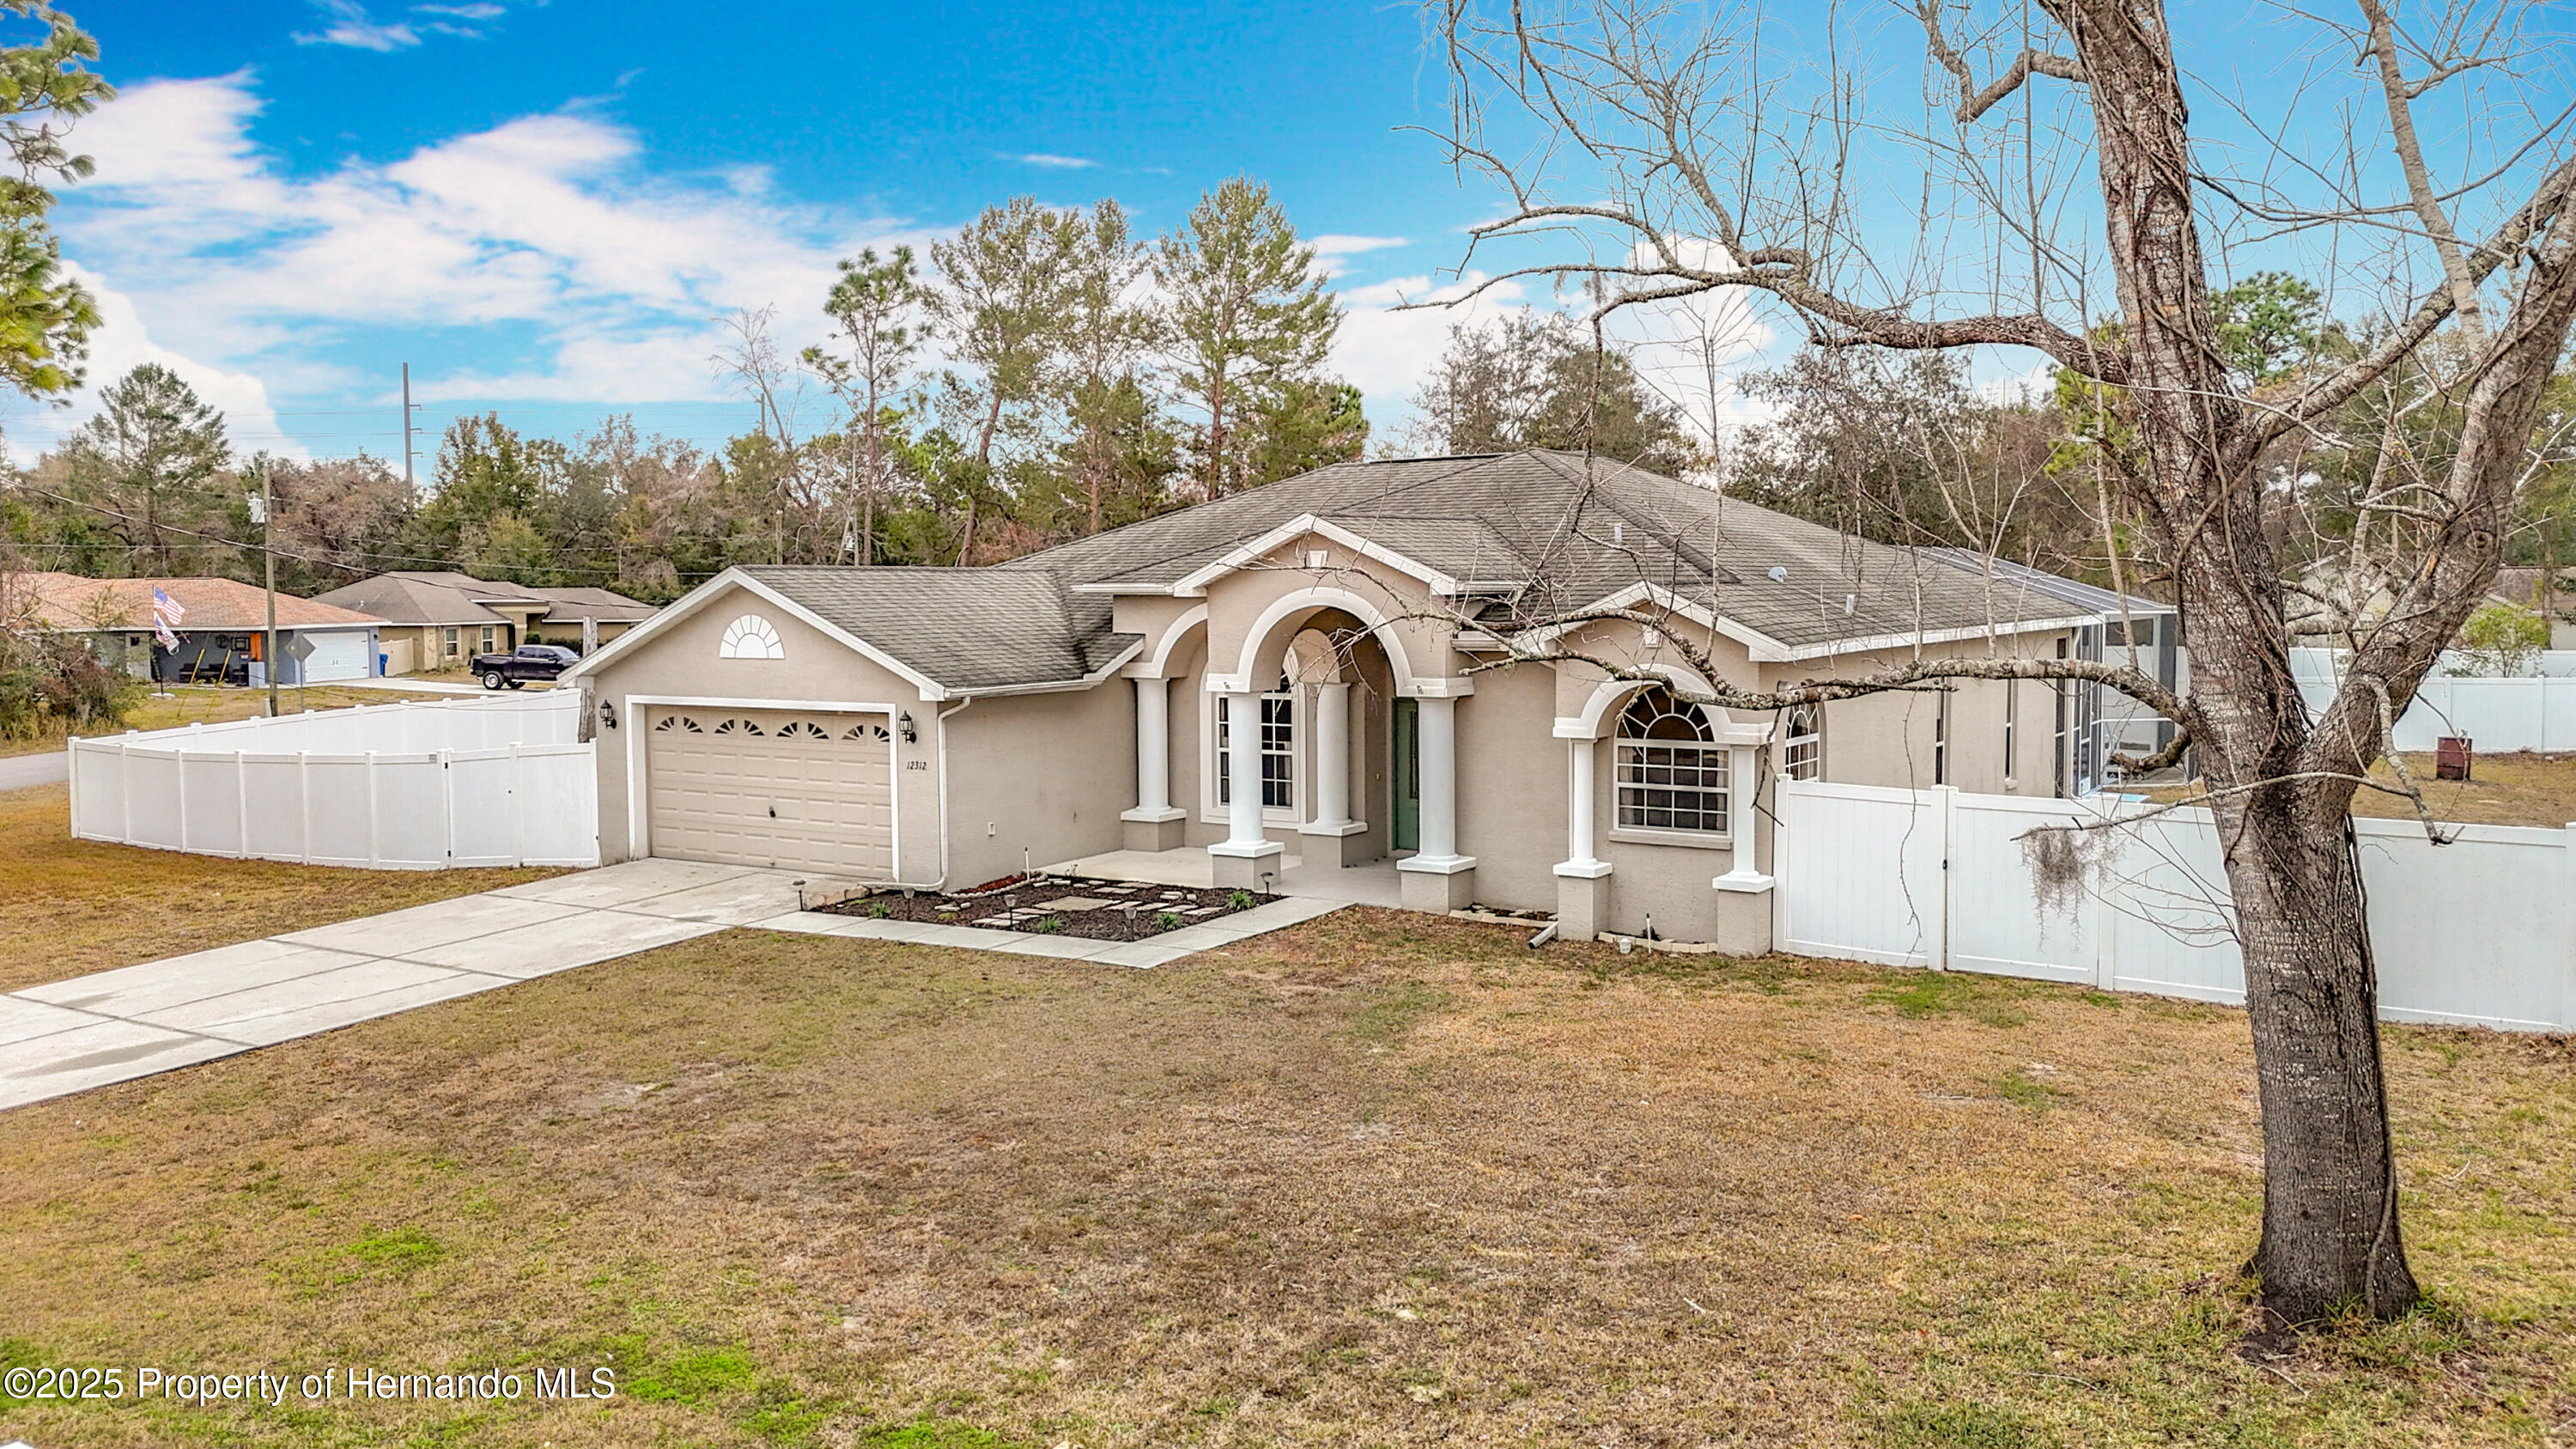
[166,613]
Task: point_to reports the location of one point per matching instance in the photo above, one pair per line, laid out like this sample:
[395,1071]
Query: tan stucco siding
[1511,787]
[1886,739]
[1038,778]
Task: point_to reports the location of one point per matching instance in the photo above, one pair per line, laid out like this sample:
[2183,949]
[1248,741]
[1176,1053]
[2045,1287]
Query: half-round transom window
[750,637]
[1655,715]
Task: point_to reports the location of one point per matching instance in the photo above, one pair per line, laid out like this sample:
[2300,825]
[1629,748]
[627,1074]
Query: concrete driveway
[69,1036]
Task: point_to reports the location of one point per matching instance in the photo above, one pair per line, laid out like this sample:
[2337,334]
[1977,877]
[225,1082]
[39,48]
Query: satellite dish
[1779,575]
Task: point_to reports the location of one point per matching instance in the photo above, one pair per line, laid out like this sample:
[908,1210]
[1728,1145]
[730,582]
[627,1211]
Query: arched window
[751,637]
[1672,773]
[1803,755]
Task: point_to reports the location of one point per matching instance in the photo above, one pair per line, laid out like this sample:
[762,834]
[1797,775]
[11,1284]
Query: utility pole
[268,560]
[406,425]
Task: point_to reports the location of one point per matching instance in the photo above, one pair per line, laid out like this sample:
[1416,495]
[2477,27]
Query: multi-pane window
[1278,746]
[1804,755]
[1672,775]
[451,643]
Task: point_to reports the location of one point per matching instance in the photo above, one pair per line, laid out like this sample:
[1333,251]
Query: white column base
[1439,883]
[1746,882]
[1581,869]
[1241,865]
[1153,830]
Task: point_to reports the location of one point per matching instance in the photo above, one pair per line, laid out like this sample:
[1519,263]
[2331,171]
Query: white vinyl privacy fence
[412,786]
[2479,932]
[2531,712]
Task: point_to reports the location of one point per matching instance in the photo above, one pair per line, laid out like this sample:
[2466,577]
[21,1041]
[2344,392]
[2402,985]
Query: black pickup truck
[528,661]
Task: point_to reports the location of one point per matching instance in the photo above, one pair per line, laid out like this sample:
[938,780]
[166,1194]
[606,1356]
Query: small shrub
[879,910]
[1047,926]
[1167,920]
[2502,639]
[1239,901]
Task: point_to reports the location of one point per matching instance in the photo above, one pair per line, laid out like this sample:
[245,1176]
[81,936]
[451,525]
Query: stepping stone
[994,921]
[1070,903]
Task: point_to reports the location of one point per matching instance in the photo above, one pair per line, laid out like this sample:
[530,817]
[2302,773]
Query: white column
[1153,747]
[1740,782]
[1332,754]
[1579,860]
[1243,774]
[1438,725]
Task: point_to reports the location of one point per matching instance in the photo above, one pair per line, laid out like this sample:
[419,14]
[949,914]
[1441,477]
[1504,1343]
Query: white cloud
[351,26]
[548,227]
[122,343]
[1384,350]
[1336,244]
[1054,162]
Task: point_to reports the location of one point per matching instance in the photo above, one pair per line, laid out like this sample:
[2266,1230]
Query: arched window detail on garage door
[868,732]
[802,730]
[738,726]
[679,722]
[751,637]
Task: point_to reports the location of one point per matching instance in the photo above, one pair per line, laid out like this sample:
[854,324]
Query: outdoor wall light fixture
[608,713]
[904,722]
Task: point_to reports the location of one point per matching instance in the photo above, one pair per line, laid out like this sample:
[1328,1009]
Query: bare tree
[1663,156]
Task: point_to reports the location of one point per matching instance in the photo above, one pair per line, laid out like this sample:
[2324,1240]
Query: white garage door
[338,654]
[799,791]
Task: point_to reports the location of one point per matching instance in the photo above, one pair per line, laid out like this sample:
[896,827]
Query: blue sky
[543,208]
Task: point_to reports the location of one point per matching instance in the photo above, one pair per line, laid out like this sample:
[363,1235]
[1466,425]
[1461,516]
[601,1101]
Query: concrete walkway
[69,1036]
[21,772]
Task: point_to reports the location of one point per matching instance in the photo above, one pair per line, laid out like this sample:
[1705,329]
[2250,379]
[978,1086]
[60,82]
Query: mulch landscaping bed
[1059,905]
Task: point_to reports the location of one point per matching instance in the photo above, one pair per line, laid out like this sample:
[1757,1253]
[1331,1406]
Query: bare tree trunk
[983,472]
[1216,437]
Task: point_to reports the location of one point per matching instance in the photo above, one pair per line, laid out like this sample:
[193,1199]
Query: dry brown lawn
[213,704]
[68,907]
[1381,1180]
[2516,789]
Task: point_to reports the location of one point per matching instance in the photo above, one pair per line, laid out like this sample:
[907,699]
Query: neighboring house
[1285,672]
[222,636]
[438,620]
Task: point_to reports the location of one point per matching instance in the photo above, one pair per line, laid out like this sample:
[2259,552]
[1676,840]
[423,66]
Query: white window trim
[1720,838]
[1790,742]
[1212,810]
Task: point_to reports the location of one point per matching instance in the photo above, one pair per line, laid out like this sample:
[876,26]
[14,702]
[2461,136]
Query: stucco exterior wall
[1038,778]
[1511,787]
[1886,739]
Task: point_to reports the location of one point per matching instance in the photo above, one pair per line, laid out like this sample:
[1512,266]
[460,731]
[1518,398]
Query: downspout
[939,734]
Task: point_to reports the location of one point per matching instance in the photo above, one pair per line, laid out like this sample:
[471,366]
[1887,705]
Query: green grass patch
[403,1250]
[694,1375]
[2020,1089]
[932,1434]
[1392,1010]
[1961,1426]
[1922,995]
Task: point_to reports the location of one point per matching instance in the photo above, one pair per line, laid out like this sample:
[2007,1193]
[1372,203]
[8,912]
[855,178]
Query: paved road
[18,772]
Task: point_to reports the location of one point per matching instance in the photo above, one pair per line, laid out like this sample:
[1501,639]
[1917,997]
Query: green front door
[1407,786]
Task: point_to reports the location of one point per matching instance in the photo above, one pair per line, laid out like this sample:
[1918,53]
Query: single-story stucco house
[437,620]
[1314,675]
[222,632]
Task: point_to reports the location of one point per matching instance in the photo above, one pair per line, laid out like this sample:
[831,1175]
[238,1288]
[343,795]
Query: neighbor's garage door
[771,788]
[337,654]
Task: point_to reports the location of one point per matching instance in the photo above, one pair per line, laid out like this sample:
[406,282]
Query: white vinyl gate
[2478,932]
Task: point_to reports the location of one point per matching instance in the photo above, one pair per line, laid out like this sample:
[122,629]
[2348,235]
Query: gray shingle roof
[1576,531]
[966,628]
[1547,532]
